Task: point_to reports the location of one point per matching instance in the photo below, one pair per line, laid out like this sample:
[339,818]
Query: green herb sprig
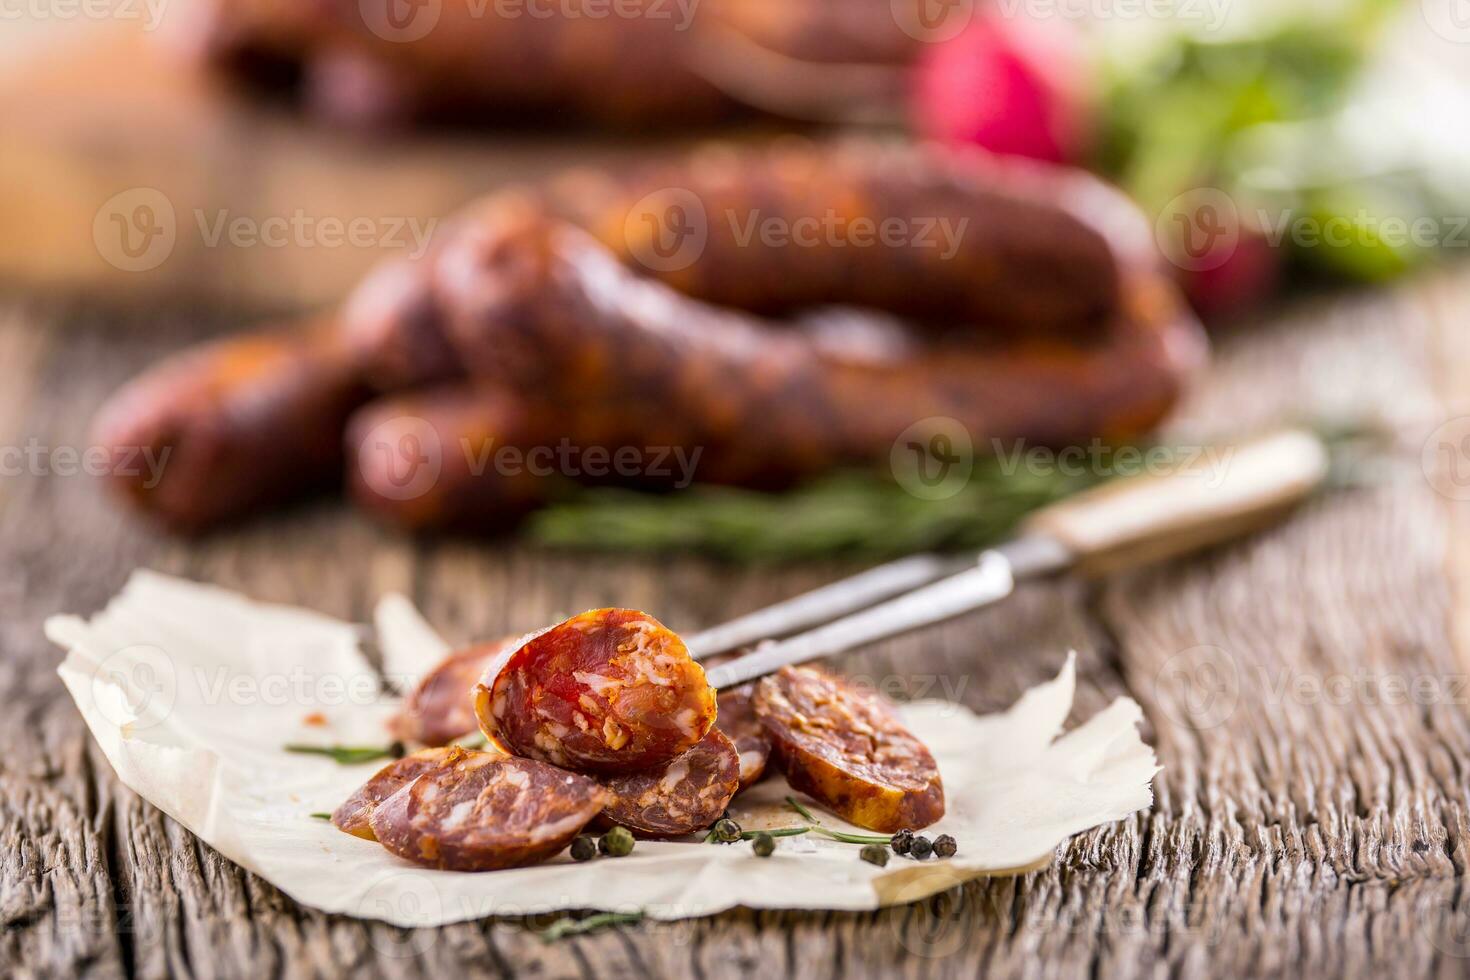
[847,514]
[569,926]
[351,755]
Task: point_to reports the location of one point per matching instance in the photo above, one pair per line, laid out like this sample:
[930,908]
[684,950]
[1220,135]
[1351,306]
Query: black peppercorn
[920,849]
[764,845]
[584,848]
[945,846]
[901,841]
[874,854]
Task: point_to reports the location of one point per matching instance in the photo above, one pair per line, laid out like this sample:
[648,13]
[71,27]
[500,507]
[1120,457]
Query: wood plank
[1294,834]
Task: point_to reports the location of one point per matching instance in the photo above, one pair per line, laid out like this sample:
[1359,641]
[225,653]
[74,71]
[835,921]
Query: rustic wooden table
[1302,689]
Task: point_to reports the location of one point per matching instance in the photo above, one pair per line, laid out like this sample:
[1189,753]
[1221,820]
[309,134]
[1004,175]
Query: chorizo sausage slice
[479,811]
[738,720]
[847,749]
[686,795]
[354,814]
[442,707]
[610,691]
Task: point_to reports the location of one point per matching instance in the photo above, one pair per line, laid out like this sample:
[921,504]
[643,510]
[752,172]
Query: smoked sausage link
[442,707]
[641,63]
[362,62]
[479,811]
[238,425]
[953,239]
[847,749]
[541,308]
[610,691]
[686,795]
[355,813]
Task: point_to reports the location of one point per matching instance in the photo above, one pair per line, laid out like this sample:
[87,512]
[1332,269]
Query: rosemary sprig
[351,755]
[840,835]
[847,838]
[795,804]
[851,514]
[778,832]
[569,926]
[321,816]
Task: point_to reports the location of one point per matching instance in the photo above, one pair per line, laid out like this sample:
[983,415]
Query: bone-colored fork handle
[1150,518]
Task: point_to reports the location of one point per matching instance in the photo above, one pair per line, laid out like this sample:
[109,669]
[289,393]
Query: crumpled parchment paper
[192,692]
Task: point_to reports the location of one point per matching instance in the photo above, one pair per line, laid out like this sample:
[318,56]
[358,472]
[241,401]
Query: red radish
[1011,84]
[1239,282]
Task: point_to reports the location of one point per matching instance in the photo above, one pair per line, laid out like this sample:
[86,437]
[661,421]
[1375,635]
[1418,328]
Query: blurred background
[252,159]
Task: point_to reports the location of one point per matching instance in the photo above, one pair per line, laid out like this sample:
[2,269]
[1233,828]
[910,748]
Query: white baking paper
[192,692]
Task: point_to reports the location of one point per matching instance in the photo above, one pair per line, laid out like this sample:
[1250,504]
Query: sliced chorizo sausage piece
[480,811]
[738,720]
[610,691]
[442,707]
[686,795]
[847,749]
[353,815]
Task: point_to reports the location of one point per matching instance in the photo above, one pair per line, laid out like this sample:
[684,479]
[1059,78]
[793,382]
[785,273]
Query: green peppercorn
[874,854]
[901,841]
[617,842]
[920,848]
[584,848]
[945,846]
[764,845]
[727,831]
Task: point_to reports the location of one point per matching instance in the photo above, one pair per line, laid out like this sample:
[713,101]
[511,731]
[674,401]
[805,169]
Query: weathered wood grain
[1299,830]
